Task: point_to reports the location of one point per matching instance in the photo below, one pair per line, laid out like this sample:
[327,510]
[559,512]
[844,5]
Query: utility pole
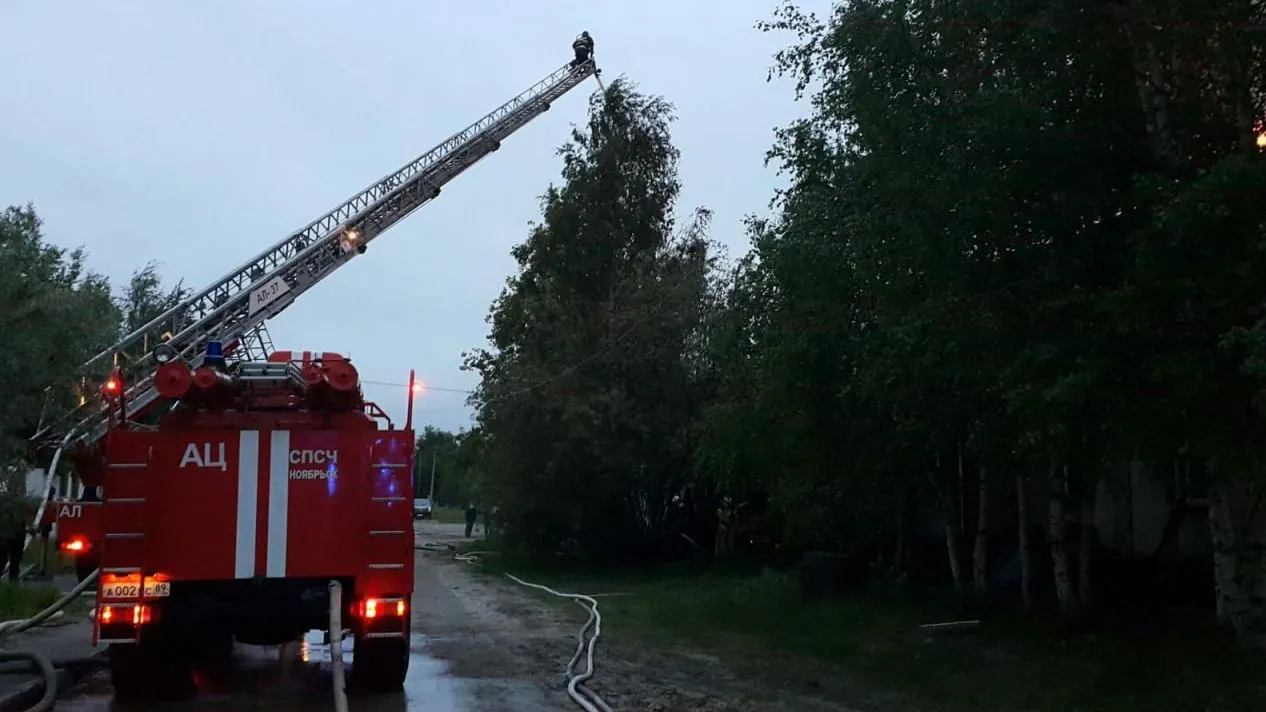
[431,494]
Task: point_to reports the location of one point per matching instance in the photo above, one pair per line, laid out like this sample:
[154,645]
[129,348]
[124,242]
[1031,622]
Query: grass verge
[448,515]
[24,601]
[57,563]
[1009,664]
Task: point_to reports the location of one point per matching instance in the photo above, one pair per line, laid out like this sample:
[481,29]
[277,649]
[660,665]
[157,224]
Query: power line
[425,387]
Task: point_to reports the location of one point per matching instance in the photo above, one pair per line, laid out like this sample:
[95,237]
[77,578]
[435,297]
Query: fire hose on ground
[13,661]
[586,644]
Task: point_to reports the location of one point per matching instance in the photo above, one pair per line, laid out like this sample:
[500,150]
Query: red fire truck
[78,524]
[228,521]
[237,481]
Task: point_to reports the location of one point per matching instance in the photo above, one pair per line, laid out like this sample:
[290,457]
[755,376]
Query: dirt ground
[482,643]
[514,646]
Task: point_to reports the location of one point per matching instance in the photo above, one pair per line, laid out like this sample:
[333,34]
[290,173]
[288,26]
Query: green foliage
[1020,234]
[589,392]
[145,299]
[55,314]
[454,460]
[18,601]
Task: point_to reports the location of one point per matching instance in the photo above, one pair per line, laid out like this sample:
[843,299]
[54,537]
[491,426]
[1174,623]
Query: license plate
[153,589]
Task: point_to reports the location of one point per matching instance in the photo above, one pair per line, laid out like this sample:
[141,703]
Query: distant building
[64,483]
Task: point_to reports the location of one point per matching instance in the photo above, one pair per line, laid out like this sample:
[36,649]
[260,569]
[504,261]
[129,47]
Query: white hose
[575,683]
[48,487]
[336,646]
[6,625]
[587,699]
[14,627]
[41,662]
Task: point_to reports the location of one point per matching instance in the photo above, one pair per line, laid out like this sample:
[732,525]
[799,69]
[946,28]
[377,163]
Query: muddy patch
[512,632]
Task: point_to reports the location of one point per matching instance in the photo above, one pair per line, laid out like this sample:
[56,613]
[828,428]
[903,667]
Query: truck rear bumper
[254,611]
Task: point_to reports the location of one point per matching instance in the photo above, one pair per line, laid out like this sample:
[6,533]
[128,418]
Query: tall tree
[1194,304]
[54,315]
[452,459]
[145,298]
[953,223]
[588,394]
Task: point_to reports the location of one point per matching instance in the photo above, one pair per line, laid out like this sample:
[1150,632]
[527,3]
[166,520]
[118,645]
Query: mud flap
[379,664]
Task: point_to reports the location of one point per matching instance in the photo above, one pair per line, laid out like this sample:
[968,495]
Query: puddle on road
[427,686]
[297,678]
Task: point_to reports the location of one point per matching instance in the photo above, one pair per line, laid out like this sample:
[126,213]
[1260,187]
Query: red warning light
[113,386]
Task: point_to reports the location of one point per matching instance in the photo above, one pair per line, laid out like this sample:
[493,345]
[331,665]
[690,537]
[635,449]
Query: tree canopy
[1019,250]
[589,393]
[55,314]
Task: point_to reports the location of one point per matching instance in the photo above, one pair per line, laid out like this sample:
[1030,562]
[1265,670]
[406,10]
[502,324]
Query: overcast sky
[197,134]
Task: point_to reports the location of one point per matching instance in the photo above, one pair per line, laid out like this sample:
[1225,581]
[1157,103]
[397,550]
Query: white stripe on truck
[247,502]
[278,502]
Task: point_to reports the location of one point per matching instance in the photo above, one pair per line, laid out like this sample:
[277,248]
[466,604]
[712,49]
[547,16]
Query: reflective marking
[278,502]
[247,500]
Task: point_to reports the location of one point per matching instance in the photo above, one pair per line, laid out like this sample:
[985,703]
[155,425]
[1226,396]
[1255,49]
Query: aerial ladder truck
[238,481]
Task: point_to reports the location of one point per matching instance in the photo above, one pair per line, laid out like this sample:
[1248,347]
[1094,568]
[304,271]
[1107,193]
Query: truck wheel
[140,671]
[213,654]
[85,565]
[379,664]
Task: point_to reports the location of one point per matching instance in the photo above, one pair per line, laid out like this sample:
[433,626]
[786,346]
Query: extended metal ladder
[235,307]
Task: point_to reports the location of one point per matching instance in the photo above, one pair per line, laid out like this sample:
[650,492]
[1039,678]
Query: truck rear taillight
[372,608]
[75,546]
[139,614]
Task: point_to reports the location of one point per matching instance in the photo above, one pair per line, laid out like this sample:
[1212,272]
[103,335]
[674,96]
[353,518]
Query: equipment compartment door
[317,503]
[205,492]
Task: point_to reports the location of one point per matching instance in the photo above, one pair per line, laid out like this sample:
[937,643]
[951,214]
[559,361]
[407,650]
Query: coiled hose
[42,664]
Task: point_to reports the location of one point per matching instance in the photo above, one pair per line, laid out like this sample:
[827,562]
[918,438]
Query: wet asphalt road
[297,677]
[294,678]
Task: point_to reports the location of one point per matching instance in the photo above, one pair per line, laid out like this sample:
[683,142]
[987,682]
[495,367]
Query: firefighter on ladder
[583,47]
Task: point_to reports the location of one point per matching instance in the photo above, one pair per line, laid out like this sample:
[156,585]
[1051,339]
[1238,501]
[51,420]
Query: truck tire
[85,565]
[379,664]
[140,671]
[213,654]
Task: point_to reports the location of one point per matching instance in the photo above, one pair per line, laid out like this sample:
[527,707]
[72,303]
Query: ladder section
[233,309]
[124,514]
[125,582]
[389,545]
